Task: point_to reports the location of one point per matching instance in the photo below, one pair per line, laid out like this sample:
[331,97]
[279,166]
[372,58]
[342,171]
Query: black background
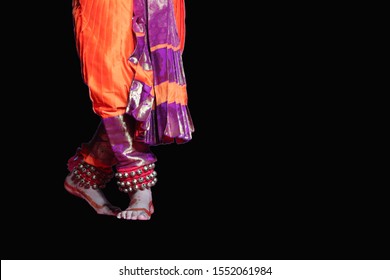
[268,174]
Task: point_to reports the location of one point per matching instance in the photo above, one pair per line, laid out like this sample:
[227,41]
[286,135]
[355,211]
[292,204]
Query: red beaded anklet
[138,178]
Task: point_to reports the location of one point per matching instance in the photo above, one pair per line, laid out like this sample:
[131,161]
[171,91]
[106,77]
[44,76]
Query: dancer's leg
[135,167]
[105,41]
[90,169]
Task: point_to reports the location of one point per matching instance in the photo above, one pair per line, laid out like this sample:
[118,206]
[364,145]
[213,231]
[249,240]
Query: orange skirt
[105,41]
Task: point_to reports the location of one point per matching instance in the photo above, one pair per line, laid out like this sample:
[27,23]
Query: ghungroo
[139,178]
[86,175]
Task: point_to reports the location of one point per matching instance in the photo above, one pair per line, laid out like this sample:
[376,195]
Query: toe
[133,215]
[143,216]
[127,215]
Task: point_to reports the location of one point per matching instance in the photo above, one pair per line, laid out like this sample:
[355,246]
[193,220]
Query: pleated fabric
[131,60]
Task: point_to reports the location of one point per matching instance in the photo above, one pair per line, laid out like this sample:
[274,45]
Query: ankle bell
[86,175]
[139,178]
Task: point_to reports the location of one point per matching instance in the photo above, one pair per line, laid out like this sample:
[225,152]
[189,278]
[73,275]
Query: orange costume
[105,41]
[131,60]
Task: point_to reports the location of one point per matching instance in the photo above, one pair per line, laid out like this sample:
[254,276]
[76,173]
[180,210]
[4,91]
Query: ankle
[87,176]
[136,179]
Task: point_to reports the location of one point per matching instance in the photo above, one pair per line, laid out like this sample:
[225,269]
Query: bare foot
[140,207]
[94,197]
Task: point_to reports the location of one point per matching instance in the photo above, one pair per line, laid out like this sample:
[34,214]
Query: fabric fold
[158,94]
